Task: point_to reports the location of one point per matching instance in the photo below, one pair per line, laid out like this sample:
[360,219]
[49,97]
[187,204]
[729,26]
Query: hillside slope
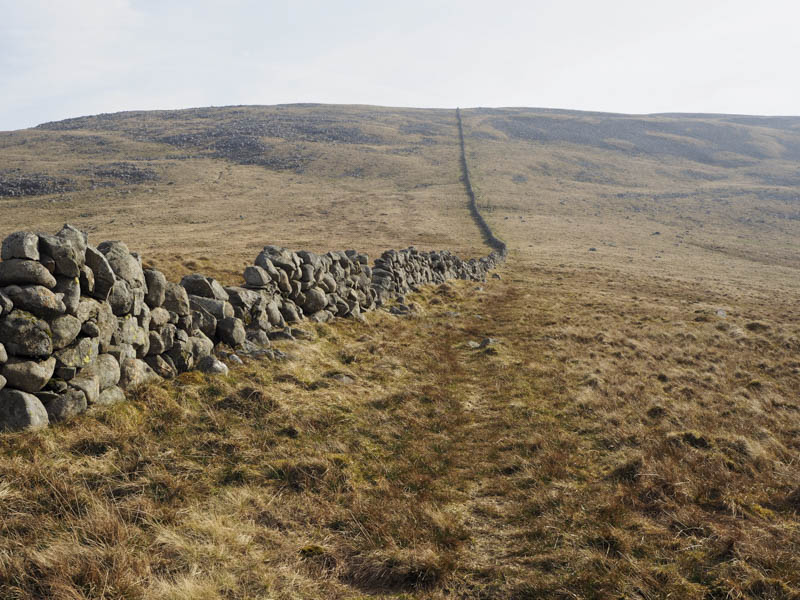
[630,430]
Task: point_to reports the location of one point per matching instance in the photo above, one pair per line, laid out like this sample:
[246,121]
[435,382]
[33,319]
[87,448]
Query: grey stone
[104,276]
[158,317]
[28,375]
[56,385]
[37,300]
[3,354]
[316,300]
[157,345]
[258,337]
[67,259]
[88,384]
[18,271]
[135,372]
[79,239]
[90,329]
[206,287]
[289,312]
[21,411]
[6,305]
[47,396]
[185,323]
[124,264]
[25,335]
[283,334]
[181,355]
[161,366]
[257,277]
[204,321]
[210,364]
[70,287]
[328,283]
[277,256]
[219,309]
[65,330]
[176,299]
[321,316]
[21,244]
[274,315]
[231,331]
[120,298]
[121,352]
[67,405]
[80,354]
[284,284]
[487,342]
[246,300]
[112,395]
[106,369]
[86,279]
[201,345]
[65,373]
[235,359]
[156,287]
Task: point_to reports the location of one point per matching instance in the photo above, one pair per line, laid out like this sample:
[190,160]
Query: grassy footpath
[609,444]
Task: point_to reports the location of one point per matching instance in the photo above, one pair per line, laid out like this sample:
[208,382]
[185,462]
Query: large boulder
[112,395]
[21,244]
[316,300]
[102,273]
[80,354]
[106,369]
[88,384]
[257,277]
[28,375]
[70,290]
[156,287]
[120,298]
[176,299]
[206,287]
[67,259]
[279,257]
[135,372]
[210,364]
[219,309]
[25,335]
[37,300]
[67,405]
[79,239]
[19,271]
[65,330]
[125,265]
[21,411]
[204,321]
[158,317]
[163,367]
[231,331]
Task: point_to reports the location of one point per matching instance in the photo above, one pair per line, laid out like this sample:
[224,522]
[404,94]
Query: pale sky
[67,58]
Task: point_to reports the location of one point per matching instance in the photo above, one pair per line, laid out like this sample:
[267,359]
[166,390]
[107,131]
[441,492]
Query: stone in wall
[79,324]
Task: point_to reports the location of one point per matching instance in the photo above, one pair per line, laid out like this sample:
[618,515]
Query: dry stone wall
[79,324]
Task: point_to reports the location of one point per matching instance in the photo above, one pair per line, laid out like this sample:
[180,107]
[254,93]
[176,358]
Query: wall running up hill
[80,324]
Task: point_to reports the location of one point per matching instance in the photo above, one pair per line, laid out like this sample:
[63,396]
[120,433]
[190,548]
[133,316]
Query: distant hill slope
[225,180]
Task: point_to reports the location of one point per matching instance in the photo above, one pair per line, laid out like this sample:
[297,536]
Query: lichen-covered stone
[21,411]
[19,271]
[28,375]
[23,334]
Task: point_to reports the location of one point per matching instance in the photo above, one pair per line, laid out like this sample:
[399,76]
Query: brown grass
[622,439]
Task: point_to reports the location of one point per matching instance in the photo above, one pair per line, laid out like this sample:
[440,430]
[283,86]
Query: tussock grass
[560,465]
